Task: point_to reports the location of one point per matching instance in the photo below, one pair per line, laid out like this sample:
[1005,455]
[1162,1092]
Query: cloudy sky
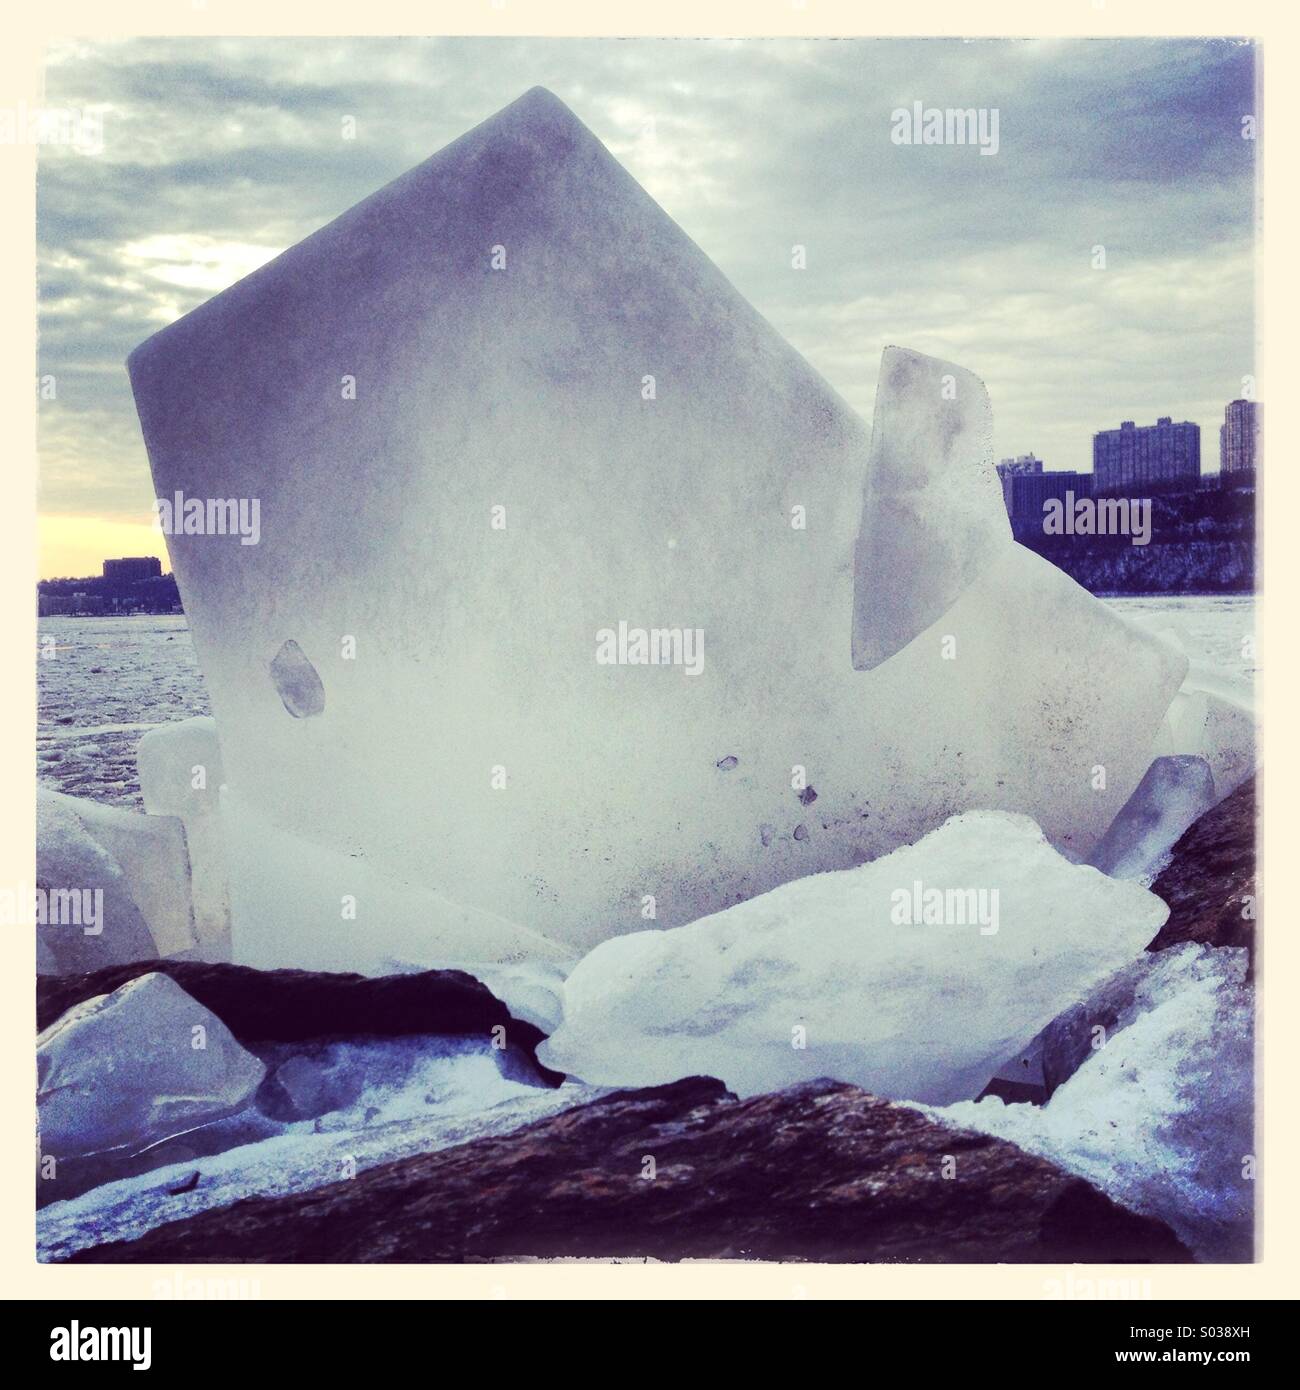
[217,153]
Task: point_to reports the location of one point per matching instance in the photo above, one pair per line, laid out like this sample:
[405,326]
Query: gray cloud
[752,147]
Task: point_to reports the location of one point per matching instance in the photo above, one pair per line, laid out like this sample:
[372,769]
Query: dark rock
[1019,1081]
[1209,882]
[260,1006]
[1070,1039]
[821,1171]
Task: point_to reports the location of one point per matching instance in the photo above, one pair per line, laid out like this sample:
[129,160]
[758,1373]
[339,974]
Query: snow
[126,1069]
[1162,1116]
[924,1010]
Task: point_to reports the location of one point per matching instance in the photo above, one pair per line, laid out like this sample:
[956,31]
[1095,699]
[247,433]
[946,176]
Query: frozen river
[103,681]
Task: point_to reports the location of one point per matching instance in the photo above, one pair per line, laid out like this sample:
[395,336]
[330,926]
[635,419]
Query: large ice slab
[501,418]
[913,977]
[322,910]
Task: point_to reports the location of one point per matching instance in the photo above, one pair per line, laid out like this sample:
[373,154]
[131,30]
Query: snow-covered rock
[573,425]
[1161,1114]
[127,1069]
[180,773]
[421,1095]
[115,885]
[913,977]
[820,1171]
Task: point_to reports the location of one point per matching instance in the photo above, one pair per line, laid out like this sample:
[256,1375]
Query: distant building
[51,605]
[1026,493]
[132,569]
[1238,438]
[1015,468]
[1134,459]
[1023,463]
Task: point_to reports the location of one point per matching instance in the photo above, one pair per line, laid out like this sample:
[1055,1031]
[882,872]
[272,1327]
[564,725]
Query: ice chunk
[181,775]
[116,885]
[1174,793]
[332,912]
[303,1087]
[509,419]
[913,977]
[1161,1117]
[1214,720]
[933,516]
[532,989]
[126,1069]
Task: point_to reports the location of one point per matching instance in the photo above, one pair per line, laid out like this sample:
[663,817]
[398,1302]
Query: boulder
[1210,882]
[821,1171]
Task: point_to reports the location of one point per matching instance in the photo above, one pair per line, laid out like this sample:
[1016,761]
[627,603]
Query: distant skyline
[219,153]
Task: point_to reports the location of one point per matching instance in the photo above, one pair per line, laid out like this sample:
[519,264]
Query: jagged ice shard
[506,405]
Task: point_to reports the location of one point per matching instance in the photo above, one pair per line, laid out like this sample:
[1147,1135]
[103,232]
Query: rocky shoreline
[816,1171]
[819,1172]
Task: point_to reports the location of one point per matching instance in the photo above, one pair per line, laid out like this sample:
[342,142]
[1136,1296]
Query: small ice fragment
[1174,793]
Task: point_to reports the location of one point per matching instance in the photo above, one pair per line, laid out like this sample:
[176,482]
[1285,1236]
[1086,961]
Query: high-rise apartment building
[1137,459]
[1238,436]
